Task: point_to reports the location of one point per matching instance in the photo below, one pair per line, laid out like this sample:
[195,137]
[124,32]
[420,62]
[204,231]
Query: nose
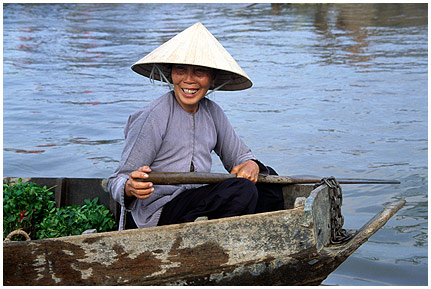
[189,75]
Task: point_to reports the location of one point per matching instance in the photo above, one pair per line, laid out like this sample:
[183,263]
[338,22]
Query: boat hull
[287,247]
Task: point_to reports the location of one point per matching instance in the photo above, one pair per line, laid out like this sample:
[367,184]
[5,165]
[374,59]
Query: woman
[177,133]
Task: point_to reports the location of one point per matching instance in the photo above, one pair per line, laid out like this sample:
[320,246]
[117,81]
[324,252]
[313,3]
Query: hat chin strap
[164,79]
[220,86]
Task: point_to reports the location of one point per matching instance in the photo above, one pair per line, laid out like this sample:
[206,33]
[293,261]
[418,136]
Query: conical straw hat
[195,46]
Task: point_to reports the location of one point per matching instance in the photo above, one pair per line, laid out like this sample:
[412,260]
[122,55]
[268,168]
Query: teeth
[190,91]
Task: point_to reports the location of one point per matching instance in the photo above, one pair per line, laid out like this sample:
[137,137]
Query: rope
[162,77]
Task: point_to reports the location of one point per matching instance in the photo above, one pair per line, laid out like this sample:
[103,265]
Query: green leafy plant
[31,207]
[73,220]
[25,205]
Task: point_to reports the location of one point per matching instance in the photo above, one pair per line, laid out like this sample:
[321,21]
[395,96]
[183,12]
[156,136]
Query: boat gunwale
[367,230]
[311,196]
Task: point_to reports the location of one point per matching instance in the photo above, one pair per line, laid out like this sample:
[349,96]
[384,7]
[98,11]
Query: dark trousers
[232,197]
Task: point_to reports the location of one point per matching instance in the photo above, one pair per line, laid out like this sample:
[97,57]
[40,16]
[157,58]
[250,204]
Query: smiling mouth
[190,91]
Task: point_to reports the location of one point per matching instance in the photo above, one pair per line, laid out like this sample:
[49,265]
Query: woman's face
[191,83]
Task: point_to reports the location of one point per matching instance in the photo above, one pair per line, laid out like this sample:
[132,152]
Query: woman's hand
[248,170]
[140,190]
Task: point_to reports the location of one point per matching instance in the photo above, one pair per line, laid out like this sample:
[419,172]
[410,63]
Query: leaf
[48,221]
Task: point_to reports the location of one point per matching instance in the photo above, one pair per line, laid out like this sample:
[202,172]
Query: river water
[339,90]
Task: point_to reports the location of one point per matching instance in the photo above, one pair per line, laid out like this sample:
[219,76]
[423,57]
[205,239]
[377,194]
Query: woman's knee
[248,185]
[245,188]
[238,182]
[240,195]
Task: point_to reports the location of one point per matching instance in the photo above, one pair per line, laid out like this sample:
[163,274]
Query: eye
[179,68]
[201,71]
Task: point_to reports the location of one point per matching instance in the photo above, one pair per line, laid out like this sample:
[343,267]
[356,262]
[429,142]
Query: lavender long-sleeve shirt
[168,139]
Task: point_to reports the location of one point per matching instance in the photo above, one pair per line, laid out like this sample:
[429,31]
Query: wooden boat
[286,247]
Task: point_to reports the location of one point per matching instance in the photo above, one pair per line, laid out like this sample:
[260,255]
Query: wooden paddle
[168,178]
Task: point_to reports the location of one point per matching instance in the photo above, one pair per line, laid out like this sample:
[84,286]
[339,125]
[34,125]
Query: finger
[235,170]
[140,189]
[146,169]
[138,174]
[254,179]
[243,174]
[143,194]
[248,175]
[138,186]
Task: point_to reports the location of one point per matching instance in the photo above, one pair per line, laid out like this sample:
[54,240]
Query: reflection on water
[339,89]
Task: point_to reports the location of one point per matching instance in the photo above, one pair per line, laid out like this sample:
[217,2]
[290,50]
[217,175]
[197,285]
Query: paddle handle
[168,178]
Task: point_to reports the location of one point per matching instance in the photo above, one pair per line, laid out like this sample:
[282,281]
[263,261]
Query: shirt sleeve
[143,138]
[230,148]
